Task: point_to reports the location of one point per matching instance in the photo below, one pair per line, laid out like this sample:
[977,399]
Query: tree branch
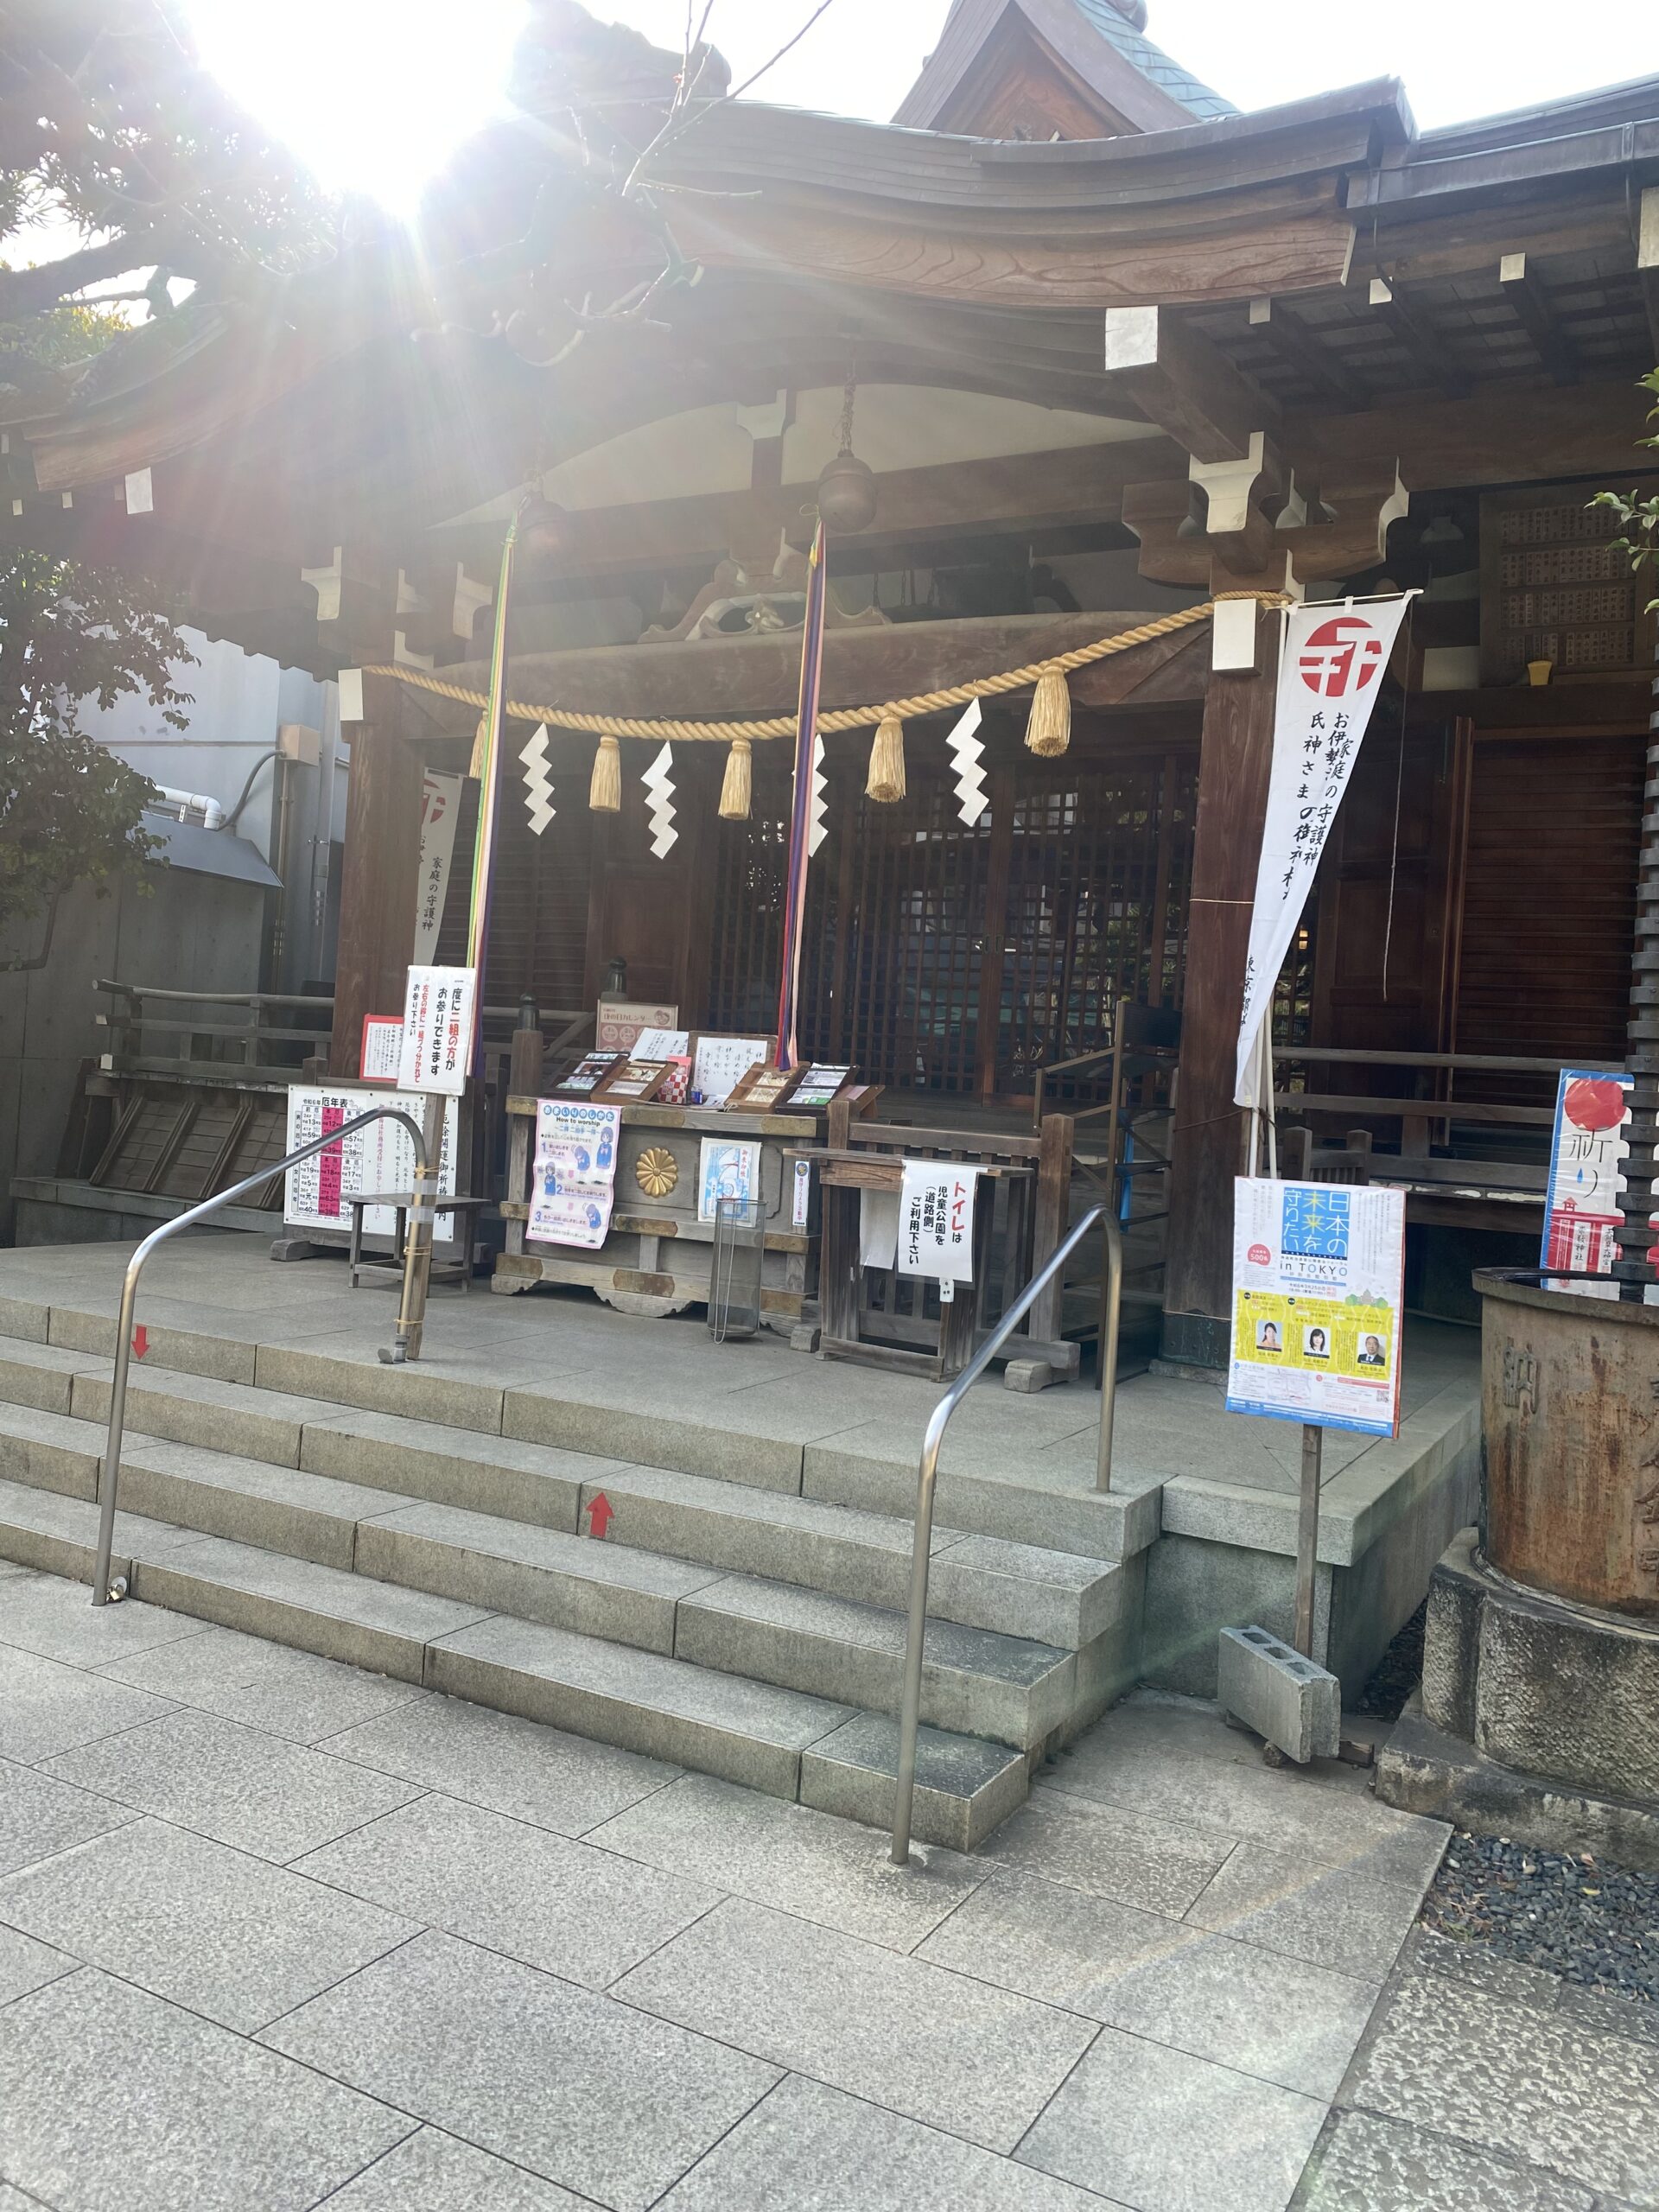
[29,291]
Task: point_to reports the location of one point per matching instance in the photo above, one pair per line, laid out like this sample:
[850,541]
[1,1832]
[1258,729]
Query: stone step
[1060,1597]
[1057,1598]
[1008,1688]
[782,1741]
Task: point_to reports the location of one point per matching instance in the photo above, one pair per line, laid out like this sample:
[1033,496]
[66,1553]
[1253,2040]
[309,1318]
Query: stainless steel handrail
[1111,1302]
[409,1317]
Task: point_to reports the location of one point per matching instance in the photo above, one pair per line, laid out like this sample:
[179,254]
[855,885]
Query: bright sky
[374,93]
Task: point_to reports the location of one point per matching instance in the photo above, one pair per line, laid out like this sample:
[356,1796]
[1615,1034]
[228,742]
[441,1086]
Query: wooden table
[391,1270]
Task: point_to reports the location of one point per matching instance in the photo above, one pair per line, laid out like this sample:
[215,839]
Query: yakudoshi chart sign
[1329,677]
[1318,1286]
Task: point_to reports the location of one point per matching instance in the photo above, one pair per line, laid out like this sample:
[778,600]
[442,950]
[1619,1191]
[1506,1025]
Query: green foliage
[1639,516]
[71,811]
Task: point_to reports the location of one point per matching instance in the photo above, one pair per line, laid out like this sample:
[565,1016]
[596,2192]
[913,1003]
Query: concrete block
[531,1483]
[280,1508]
[1284,1697]
[38,1374]
[411,1390]
[49,1452]
[198,1409]
[689,1447]
[1027,1375]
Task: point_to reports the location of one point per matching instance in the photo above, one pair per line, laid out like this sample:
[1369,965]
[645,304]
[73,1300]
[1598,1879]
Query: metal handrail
[1111,1303]
[409,1319]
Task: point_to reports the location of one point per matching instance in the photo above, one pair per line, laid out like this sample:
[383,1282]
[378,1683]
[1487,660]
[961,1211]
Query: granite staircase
[446,1532]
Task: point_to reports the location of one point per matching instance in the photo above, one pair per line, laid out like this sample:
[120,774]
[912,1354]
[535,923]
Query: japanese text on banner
[574,1172]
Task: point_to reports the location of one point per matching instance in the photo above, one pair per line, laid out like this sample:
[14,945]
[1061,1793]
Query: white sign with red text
[439,1007]
[936,1221]
[1330,674]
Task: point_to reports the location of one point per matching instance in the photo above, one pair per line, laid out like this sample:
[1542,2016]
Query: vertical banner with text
[1329,675]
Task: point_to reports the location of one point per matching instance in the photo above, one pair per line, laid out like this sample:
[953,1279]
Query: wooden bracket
[1531,303]
[1179,381]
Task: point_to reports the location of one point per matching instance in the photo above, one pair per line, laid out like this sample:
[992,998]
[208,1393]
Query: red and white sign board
[1581,1211]
[1330,674]
[440,1007]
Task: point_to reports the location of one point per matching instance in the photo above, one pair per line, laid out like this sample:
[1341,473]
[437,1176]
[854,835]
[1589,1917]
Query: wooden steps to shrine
[726,1626]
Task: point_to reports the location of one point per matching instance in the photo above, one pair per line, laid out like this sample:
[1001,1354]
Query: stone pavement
[274,1933]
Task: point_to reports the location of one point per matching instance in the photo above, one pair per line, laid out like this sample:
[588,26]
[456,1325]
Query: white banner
[1330,674]
[440,804]
[439,1009]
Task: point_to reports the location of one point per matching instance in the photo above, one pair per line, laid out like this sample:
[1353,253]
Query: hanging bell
[847,496]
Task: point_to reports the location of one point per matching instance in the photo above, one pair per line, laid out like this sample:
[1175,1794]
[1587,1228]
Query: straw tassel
[886,777]
[1049,730]
[605,792]
[480,747]
[734,790]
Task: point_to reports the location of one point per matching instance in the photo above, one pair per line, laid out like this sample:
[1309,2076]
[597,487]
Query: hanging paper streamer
[538,781]
[967,758]
[807,827]
[659,780]
[478,928]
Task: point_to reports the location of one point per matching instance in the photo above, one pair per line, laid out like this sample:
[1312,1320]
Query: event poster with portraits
[1319,1290]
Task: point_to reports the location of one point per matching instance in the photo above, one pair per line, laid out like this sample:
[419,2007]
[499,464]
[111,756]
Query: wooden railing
[228,1036]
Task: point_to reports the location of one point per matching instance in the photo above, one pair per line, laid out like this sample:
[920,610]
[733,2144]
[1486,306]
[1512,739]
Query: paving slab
[277,1509]
[1364,2164]
[200,1409]
[292,1694]
[275,1800]
[979,2063]
[56,1535]
[26,1964]
[1158,1864]
[1538,2086]
[584,1914]
[38,1373]
[580,2090]
[429,2171]
[43,1613]
[46,1707]
[216,1931]
[1057,1944]
[1310,1814]
[114,2098]
[1336,1917]
[810,2148]
[39,1816]
[518,1767]
[202,1350]
[801,1861]
[964,1787]
[1166,2132]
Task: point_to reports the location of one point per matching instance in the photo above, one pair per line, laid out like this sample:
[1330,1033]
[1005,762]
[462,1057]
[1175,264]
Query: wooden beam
[1426,348]
[378,871]
[1314,363]
[1207,1145]
[1647,259]
[1182,382]
[1497,436]
[1531,303]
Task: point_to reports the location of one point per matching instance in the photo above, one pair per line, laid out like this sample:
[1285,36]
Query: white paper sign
[574,1169]
[936,1220]
[439,805]
[662,1044]
[720,1062]
[878,1228]
[1330,674]
[382,1051]
[317,1194]
[1319,1289]
[438,1014]
[141,493]
[800,1209]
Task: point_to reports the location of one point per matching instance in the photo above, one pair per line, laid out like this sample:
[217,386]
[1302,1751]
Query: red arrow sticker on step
[601,1513]
[140,1341]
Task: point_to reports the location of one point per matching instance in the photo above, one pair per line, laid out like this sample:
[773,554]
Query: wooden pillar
[1208,1145]
[380,871]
